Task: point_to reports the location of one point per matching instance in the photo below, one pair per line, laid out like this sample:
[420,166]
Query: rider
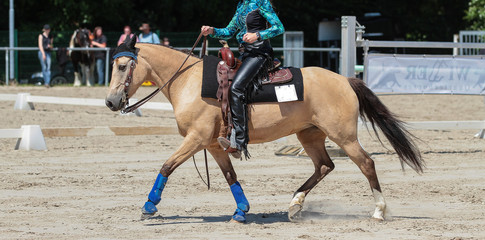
[251,20]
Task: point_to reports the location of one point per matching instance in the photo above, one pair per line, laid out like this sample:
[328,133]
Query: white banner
[425,74]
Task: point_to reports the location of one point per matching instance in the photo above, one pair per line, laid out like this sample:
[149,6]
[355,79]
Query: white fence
[290,51]
[25,101]
[9,49]
[29,137]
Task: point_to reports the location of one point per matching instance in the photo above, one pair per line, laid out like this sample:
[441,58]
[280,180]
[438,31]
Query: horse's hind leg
[222,159]
[357,154]
[313,141]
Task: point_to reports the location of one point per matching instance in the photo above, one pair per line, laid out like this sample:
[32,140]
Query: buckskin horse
[84,59]
[331,107]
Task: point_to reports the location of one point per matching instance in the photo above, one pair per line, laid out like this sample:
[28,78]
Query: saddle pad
[265,94]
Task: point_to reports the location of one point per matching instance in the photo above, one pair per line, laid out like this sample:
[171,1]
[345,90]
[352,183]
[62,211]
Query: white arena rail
[25,101]
[29,137]
[442,125]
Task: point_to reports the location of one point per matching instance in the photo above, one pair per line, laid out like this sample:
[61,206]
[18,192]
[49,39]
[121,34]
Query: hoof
[378,217]
[235,221]
[294,211]
[296,205]
[145,216]
[149,209]
[379,213]
[239,216]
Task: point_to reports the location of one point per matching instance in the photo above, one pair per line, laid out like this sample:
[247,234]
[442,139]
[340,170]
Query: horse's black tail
[372,109]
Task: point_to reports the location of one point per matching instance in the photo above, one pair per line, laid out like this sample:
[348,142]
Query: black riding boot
[250,67]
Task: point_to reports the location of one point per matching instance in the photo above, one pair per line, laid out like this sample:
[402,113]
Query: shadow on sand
[256,218]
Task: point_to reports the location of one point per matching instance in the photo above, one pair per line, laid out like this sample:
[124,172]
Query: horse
[331,107]
[85,59]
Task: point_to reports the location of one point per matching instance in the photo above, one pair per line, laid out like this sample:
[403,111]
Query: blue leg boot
[154,197]
[241,201]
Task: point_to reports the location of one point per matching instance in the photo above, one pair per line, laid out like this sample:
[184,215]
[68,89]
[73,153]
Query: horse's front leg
[89,72]
[224,162]
[190,146]
[77,75]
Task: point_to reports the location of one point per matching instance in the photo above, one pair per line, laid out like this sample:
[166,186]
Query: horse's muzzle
[114,102]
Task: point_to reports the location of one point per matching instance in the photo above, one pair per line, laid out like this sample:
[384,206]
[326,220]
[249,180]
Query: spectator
[45,47]
[100,56]
[126,32]
[146,36]
[166,42]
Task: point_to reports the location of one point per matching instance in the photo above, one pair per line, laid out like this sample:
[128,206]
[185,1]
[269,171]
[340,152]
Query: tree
[476,14]
[435,20]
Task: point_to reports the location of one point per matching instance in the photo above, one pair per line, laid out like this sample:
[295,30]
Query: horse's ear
[127,40]
[131,43]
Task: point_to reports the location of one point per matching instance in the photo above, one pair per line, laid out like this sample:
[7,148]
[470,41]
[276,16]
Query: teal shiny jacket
[239,22]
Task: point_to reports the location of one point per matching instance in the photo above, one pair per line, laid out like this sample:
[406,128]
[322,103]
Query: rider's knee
[236,88]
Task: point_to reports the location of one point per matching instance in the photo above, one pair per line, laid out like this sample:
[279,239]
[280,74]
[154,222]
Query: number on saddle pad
[286,93]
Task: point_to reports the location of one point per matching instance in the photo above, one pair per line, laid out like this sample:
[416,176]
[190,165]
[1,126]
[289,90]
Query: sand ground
[93,187]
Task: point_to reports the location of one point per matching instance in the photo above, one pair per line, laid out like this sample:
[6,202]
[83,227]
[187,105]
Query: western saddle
[226,71]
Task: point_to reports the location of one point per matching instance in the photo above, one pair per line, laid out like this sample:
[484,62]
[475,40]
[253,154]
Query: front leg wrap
[241,201]
[155,195]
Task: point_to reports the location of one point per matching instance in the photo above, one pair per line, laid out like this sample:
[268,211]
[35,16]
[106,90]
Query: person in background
[45,47]
[166,42]
[126,32]
[147,36]
[100,56]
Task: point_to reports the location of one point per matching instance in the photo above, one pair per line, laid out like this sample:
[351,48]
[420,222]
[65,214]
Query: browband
[125,54]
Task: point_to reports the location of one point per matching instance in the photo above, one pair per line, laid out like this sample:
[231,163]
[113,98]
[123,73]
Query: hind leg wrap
[241,202]
[380,211]
[155,195]
[296,205]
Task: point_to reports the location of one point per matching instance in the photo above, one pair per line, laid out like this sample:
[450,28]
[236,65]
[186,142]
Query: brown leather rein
[129,78]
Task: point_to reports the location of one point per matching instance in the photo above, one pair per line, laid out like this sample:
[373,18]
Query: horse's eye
[122,67]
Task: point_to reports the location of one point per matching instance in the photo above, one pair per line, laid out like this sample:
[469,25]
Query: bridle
[128,80]
[129,77]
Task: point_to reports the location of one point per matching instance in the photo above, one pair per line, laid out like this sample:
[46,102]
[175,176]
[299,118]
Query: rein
[138,104]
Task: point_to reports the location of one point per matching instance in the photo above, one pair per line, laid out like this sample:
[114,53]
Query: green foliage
[411,19]
[476,14]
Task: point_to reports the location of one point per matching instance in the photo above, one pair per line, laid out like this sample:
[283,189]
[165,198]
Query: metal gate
[472,37]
